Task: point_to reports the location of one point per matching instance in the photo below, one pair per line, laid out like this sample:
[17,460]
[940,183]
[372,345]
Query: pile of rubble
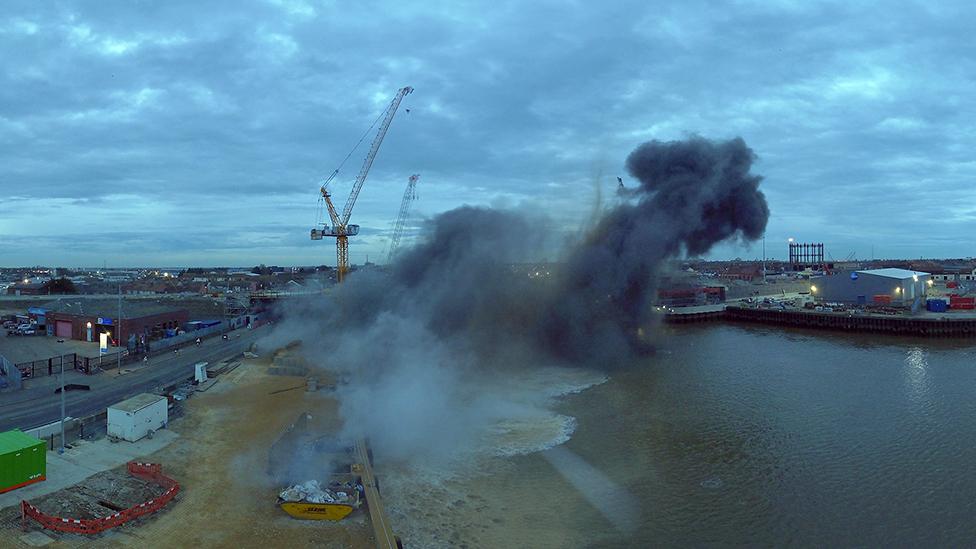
[313,492]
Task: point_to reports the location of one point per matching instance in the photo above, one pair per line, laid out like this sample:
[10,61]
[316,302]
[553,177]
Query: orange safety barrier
[150,472]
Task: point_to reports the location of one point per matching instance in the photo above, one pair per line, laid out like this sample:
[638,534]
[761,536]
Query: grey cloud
[266,99]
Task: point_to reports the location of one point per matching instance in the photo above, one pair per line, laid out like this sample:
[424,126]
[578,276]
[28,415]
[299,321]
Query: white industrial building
[872,286]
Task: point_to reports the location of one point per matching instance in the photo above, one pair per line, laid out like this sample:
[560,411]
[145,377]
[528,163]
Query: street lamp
[764,258]
[61,352]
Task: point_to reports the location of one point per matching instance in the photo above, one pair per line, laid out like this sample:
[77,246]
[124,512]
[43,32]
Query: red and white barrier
[150,472]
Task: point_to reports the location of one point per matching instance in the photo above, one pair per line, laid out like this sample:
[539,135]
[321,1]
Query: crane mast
[340,228]
[409,195]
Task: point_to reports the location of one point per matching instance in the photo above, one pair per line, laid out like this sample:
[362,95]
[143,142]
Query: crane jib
[409,195]
[371,155]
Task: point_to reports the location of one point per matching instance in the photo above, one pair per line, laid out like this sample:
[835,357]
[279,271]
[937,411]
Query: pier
[385,538]
[915,325]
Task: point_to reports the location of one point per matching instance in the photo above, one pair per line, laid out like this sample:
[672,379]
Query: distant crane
[340,227]
[409,195]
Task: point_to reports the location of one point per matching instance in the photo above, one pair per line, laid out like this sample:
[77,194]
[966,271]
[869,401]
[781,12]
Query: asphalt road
[17,412]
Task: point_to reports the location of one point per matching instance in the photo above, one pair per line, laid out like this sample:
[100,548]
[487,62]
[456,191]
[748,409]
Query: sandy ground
[220,460]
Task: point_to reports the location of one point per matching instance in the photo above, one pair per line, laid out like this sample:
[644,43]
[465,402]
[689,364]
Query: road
[107,388]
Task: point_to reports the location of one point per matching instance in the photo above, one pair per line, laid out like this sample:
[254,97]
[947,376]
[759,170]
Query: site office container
[23,460]
[882,298]
[957,302]
[134,418]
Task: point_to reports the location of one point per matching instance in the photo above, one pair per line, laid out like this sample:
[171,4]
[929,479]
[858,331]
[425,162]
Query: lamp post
[118,329]
[790,243]
[764,258]
[61,352]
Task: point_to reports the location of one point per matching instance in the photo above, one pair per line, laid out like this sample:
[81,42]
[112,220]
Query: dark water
[760,436]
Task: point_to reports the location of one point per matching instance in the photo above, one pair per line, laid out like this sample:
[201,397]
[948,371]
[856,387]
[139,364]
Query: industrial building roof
[900,274]
[137,402]
[108,308]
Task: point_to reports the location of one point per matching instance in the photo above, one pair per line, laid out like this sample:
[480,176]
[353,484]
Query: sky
[190,133]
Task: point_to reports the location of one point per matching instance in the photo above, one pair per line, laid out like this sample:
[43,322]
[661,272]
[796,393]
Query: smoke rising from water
[426,347]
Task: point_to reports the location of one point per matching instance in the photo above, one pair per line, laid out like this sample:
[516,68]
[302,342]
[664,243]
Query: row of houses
[164,283]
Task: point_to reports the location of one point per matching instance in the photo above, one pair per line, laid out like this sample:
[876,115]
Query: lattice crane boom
[340,228]
[409,195]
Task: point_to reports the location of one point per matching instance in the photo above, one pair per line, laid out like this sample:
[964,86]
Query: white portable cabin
[200,372]
[133,418]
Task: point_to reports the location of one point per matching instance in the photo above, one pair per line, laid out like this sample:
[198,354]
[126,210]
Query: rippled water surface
[730,435]
[737,435]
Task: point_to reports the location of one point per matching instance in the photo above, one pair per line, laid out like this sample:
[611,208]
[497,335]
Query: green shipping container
[23,460]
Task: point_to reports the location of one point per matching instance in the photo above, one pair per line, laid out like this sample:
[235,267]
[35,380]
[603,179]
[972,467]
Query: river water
[736,435]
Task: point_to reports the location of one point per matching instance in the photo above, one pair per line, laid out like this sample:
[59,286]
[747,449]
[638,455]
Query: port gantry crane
[409,195]
[340,227]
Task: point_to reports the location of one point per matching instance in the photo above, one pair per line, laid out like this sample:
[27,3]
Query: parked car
[23,329]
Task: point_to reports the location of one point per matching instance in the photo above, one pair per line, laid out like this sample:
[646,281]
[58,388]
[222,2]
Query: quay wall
[894,324]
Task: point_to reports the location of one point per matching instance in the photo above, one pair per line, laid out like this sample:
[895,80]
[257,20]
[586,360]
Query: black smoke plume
[422,343]
[692,195]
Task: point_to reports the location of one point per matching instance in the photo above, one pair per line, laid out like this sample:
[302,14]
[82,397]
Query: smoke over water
[446,351]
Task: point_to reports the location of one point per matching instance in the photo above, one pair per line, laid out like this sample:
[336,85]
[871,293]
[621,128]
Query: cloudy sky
[177,133]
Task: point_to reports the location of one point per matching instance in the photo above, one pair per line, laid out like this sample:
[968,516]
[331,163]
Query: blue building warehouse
[895,286]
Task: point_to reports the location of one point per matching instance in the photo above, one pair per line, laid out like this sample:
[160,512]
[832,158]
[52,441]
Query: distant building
[960,275]
[688,296]
[85,319]
[872,286]
[747,273]
[28,288]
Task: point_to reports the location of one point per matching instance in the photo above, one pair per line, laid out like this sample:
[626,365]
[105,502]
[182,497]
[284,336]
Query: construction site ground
[220,458]
[81,460]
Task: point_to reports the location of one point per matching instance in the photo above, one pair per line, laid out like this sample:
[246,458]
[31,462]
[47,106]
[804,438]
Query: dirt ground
[98,496]
[227,496]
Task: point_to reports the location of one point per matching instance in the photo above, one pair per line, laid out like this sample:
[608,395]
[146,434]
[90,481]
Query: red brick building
[141,322]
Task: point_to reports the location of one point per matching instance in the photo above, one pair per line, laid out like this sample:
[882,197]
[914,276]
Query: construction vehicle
[338,225]
[409,195]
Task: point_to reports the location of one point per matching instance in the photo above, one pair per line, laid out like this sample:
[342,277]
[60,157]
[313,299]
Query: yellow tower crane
[338,225]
